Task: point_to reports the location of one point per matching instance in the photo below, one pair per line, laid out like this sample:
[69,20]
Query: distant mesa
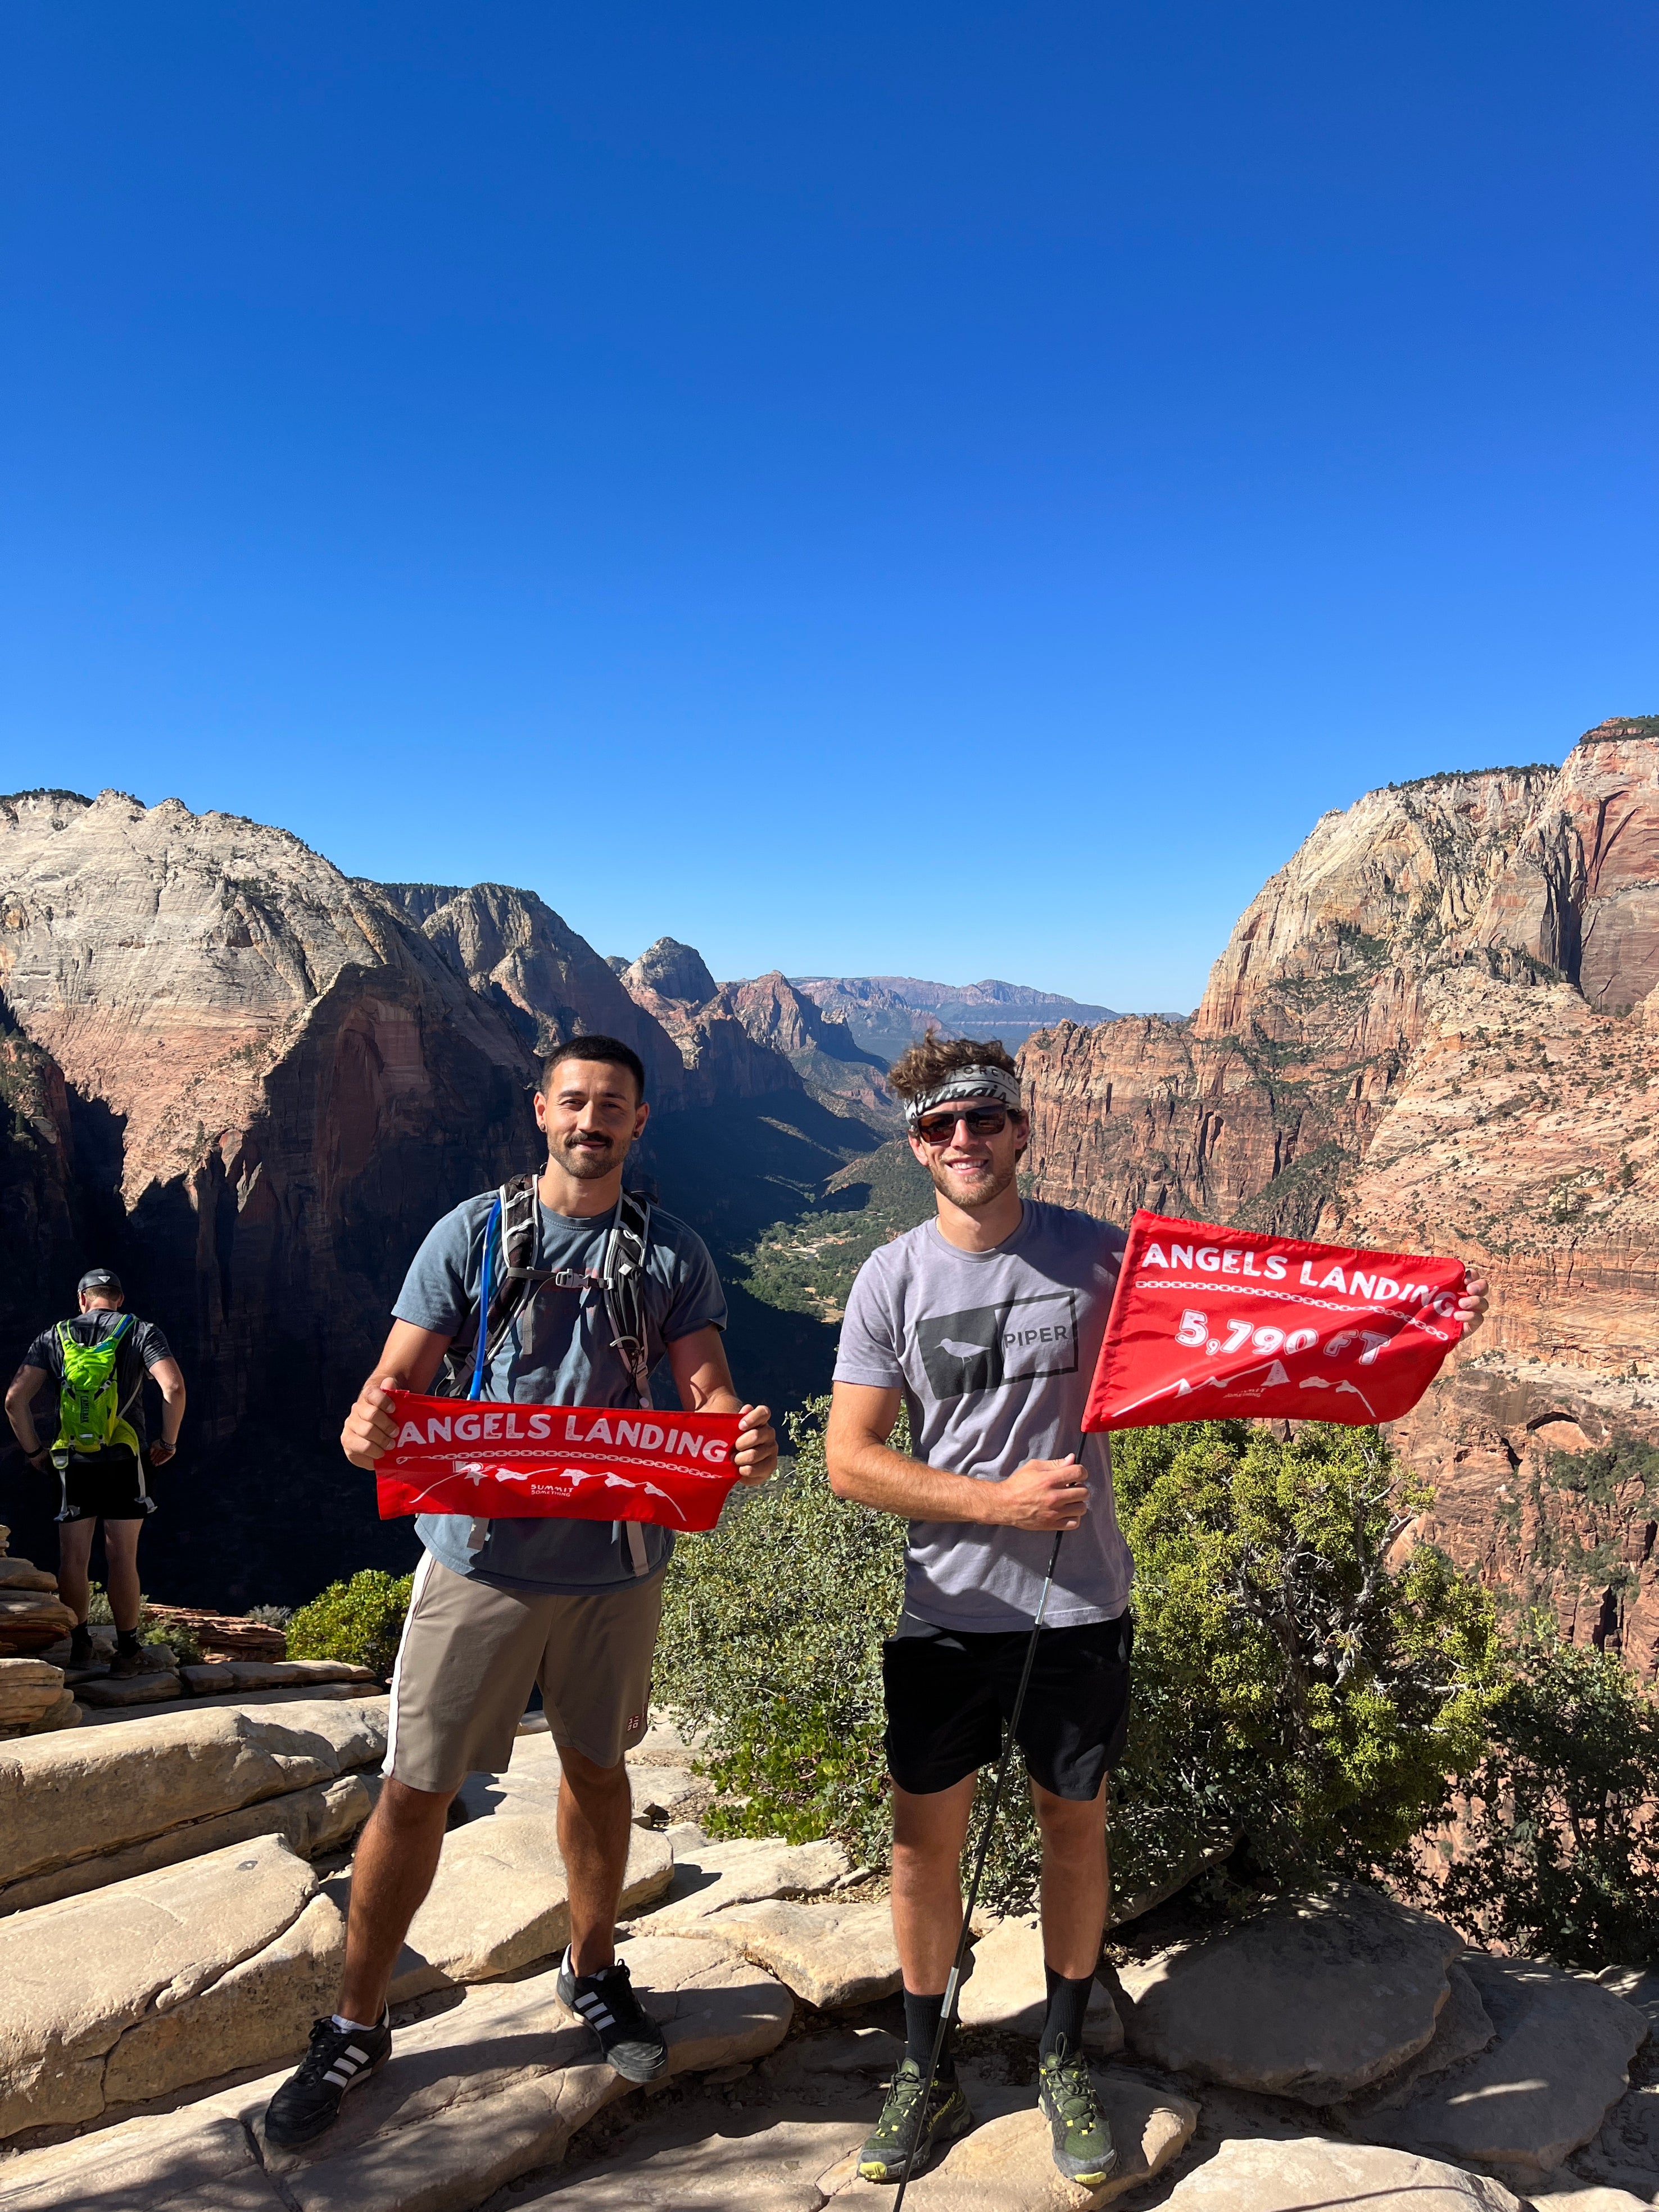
[885,1013]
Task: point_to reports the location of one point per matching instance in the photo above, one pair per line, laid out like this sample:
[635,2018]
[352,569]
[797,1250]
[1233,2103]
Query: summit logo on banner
[1210,1323]
[560,1462]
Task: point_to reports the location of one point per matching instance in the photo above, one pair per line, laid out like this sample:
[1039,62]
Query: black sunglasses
[983,1121]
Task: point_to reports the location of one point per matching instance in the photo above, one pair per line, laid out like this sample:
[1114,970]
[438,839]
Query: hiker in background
[562,1289]
[97,1362]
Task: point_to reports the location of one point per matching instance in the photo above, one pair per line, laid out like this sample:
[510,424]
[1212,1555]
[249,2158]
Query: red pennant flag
[1214,1323]
[560,1462]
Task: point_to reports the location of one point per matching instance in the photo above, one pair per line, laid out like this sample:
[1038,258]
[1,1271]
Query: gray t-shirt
[557,1352]
[995,1352]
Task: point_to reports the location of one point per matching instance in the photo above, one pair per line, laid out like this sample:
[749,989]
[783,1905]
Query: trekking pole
[953,1986]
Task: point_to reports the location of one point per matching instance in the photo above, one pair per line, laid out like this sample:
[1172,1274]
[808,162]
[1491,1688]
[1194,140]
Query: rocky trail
[172,1892]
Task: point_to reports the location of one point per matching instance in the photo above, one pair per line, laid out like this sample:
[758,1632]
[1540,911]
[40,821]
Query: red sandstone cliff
[818,1046]
[547,982]
[671,981]
[1419,1034]
[270,1083]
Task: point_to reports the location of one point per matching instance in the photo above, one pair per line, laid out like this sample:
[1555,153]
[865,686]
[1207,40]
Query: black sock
[1068,2002]
[921,2019]
[126,1639]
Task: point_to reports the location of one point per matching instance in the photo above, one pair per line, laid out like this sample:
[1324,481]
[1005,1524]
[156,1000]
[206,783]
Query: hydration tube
[477,1391]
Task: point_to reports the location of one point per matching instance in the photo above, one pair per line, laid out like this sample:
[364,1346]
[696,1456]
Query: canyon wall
[250,1084]
[1437,1026]
[671,982]
[547,982]
[820,1046]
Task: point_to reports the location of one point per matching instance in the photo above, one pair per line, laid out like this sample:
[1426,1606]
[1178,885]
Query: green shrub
[180,1636]
[359,1621]
[771,1641]
[1559,1855]
[1286,1685]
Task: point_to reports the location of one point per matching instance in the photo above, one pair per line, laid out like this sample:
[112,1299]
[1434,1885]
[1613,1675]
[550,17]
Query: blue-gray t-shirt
[556,1352]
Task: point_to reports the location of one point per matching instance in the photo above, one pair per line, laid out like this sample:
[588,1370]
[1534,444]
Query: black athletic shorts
[104,1487]
[949,1693]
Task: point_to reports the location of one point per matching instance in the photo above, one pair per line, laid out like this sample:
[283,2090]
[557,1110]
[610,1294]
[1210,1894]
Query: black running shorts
[104,1487]
[949,1693]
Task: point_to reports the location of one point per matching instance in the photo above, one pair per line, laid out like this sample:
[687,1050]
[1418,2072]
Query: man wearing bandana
[984,1323]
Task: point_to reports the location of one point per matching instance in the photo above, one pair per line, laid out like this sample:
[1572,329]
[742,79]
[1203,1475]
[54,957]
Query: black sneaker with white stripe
[338,2059]
[628,2037]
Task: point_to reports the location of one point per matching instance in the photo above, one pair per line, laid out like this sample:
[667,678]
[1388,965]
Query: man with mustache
[500,1606]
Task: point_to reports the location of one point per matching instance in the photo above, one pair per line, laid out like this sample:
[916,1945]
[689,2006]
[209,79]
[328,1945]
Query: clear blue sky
[954,489]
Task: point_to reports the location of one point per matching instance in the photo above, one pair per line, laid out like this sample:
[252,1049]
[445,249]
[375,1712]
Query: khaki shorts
[469,1657]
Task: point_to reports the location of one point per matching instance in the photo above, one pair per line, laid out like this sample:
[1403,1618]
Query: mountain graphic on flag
[1210,1323]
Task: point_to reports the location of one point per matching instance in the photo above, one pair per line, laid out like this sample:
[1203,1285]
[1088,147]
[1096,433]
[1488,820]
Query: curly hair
[933,1059]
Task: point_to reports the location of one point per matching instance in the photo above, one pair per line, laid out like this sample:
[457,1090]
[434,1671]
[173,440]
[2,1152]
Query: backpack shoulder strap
[625,1250]
[510,1230]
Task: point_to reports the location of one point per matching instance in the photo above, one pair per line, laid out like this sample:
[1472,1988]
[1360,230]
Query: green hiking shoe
[903,2123]
[1084,2150]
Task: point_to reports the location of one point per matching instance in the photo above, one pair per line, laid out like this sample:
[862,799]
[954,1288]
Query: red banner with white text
[559,1462]
[1209,1324]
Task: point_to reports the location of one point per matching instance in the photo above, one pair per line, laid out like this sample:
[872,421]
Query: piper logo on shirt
[988,1347]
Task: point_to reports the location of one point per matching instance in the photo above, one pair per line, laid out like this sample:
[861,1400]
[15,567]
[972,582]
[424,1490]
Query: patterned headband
[966,1083]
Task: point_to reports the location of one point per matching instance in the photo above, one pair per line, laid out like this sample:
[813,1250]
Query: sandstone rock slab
[215,1675]
[78,1795]
[149,1689]
[500,1902]
[1559,2065]
[21,1574]
[31,1620]
[1307,2171]
[709,1877]
[1009,1990]
[320,1818]
[1637,1985]
[83,1976]
[477,2095]
[767,2161]
[28,1688]
[1574,2197]
[1006,2164]
[258,2013]
[307,1694]
[473,2098]
[174,2162]
[839,2063]
[1463,2030]
[63,1712]
[666,1793]
[1626,2153]
[1313,1998]
[832,1955]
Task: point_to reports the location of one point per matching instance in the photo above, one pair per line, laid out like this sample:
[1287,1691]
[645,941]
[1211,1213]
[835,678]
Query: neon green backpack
[88,1399]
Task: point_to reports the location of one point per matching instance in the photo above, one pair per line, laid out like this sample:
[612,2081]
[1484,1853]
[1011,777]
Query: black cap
[99,1278]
